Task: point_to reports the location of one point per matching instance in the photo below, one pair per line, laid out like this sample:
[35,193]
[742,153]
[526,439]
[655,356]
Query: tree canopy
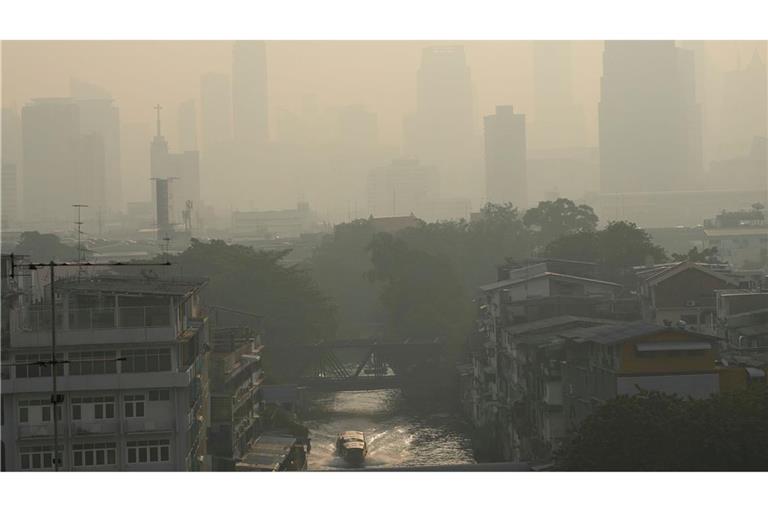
[660,432]
[554,219]
[44,247]
[293,307]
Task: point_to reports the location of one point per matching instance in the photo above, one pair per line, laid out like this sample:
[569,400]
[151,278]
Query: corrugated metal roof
[268,452]
[509,282]
[663,346]
[619,333]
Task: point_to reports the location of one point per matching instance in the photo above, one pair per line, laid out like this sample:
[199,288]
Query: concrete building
[186,117]
[681,294]
[249,93]
[275,223]
[650,123]
[741,237]
[506,176]
[129,397]
[10,195]
[403,187]
[442,130]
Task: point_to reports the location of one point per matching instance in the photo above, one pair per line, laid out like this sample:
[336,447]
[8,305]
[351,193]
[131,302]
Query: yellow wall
[662,362]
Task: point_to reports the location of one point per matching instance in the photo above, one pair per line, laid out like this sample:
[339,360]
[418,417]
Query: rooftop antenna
[158,108]
[78,227]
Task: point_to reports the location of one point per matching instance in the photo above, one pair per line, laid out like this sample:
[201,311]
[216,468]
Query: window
[97,362]
[37,411]
[160,395]
[30,366]
[37,457]
[94,454]
[93,407]
[142,452]
[147,360]
[134,406]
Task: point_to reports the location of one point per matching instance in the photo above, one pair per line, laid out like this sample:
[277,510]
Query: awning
[664,346]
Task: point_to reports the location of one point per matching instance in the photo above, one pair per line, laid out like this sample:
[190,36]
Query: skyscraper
[11,166]
[401,188]
[650,125]
[61,166]
[441,131]
[559,122]
[505,157]
[215,111]
[187,126]
[249,93]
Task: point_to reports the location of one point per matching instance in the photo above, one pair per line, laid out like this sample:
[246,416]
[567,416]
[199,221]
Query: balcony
[85,428]
[42,430]
[102,325]
[141,425]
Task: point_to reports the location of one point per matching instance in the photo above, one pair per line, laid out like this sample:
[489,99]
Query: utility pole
[54,362]
[78,227]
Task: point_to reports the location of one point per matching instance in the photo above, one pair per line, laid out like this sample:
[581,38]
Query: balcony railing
[148,425]
[130,317]
[42,430]
[95,427]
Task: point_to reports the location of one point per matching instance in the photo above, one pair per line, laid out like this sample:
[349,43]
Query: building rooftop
[512,282]
[619,333]
[141,285]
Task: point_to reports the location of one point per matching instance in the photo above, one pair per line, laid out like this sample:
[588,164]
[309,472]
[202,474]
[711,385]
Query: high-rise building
[10,195]
[505,157]
[61,166]
[744,112]
[401,188]
[357,127]
[559,122]
[215,111]
[441,131]
[179,172]
[11,166]
[187,126]
[650,123]
[249,93]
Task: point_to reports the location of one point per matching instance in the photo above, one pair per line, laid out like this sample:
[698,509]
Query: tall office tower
[10,195]
[249,93]
[744,113]
[357,127]
[441,131]
[11,164]
[61,166]
[187,126]
[215,112]
[100,116]
[650,124]
[401,188]
[559,122]
[505,158]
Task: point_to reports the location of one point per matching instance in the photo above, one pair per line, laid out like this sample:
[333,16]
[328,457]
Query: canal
[398,433]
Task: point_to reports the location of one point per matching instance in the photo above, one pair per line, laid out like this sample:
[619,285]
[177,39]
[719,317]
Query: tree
[45,247]
[293,307]
[421,294]
[706,255]
[660,432]
[618,246]
[554,219]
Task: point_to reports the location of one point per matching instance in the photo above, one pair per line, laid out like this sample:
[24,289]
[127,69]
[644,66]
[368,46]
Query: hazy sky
[379,74]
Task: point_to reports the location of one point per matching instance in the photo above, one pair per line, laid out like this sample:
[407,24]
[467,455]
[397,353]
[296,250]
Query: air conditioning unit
[690,303]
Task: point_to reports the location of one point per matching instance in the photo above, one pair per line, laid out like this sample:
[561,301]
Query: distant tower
[441,131]
[650,124]
[506,158]
[249,93]
[158,150]
[187,125]
[162,207]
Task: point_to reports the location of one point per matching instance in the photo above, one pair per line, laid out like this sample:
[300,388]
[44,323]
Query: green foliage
[554,219]
[620,244]
[339,266]
[659,432]
[421,294]
[707,255]
[44,247]
[293,307]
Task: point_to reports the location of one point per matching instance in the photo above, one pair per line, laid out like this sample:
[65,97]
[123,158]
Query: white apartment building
[129,381]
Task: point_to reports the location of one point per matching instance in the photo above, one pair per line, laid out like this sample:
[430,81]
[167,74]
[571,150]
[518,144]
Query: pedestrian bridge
[354,365]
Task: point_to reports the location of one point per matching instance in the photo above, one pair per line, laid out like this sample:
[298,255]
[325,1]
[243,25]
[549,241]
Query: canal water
[398,433]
